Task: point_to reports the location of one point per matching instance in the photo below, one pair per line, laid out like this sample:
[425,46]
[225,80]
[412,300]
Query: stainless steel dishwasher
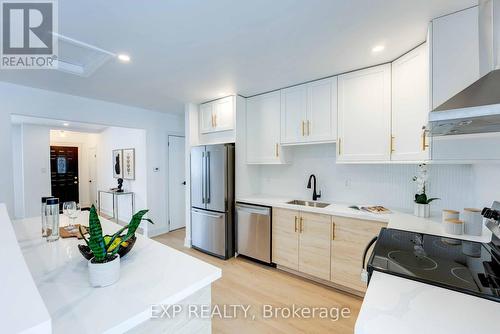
[253,231]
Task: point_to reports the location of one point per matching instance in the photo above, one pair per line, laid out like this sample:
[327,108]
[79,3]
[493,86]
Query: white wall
[23,100]
[389,185]
[84,141]
[17,164]
[486,185]
[114,138]
[35,167]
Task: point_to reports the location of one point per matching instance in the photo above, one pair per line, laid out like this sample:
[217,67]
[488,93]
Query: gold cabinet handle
[213,126]
[303,131]
[301,226]
[215,120]
[424,139]
[308,128]
[339,144]
[392,144]
[295,223]
[277,151]
[333,231]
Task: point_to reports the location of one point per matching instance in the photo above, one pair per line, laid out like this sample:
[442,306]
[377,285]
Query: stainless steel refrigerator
[212,199]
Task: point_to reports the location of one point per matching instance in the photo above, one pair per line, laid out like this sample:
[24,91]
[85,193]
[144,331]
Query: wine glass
[72,211]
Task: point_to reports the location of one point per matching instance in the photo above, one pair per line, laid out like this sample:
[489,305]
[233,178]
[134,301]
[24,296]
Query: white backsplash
[389,185]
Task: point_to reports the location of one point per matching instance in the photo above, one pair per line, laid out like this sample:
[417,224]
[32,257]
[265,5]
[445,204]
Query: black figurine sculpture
[120,185]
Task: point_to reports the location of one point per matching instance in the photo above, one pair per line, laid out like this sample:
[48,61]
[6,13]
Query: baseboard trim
[157,231]
[187,242]
[322,281]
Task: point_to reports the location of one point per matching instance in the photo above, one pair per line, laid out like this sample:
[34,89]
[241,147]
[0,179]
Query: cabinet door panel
[285,248]
[262,129]
[365,115]
[293,114]
[206,118]
[350,238]
[322,110]
[314,244]
[455,54]
[224,114]
[410,105]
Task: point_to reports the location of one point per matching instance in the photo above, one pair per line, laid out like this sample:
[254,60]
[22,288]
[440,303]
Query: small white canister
[454,226]
[450,214]
[473,221]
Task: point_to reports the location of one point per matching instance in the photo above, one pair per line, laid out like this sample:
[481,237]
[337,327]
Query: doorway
[176,182]
[64,173]
[93,176]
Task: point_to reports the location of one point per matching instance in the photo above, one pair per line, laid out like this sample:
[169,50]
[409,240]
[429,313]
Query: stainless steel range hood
[476,109]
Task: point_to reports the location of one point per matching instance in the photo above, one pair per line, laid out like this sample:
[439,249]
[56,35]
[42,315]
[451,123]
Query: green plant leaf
[96,240]
[421,198]
[83,235]
[432,199]
[134,224]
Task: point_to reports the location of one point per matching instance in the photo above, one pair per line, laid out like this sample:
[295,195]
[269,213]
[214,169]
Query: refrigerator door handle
[204,213]
[208,177]
[203,177]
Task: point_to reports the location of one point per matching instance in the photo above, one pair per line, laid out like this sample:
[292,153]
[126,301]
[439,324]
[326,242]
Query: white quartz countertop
[396,220]
[151,273]
[394,305]
[22,309]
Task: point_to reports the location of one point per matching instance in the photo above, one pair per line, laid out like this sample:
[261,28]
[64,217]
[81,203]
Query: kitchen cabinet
[217,115]
[321,246]
[364,115]
[349,240]
[455,54]
[410,106]
[262,130]
[314,244]
[301,241]
[309,112]
[285,238]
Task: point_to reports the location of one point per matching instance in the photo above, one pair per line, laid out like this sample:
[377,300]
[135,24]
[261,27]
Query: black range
[464,266]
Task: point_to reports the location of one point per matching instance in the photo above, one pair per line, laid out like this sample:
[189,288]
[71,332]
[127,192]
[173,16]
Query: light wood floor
[248,283]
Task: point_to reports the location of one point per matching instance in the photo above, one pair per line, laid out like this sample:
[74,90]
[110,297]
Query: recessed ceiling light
[123,57]
[66,124]
[378,48]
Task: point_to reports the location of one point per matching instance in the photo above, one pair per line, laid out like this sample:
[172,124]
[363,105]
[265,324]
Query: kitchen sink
[308,203]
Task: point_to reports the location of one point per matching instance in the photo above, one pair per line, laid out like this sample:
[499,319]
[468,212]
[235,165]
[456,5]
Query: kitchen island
[151,275]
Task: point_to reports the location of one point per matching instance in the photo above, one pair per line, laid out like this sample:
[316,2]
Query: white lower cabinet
[410,106]
[364,115]
[263,131]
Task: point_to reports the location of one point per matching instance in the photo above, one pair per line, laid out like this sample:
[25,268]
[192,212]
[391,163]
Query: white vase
[422,210]
[104,274]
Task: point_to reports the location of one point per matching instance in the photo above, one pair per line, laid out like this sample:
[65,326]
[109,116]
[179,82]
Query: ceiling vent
[79,58]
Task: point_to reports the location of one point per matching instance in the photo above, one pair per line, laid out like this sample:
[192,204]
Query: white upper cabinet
[410,105]
[293,114]
[364,115]
[309,112]
[455,54]
[321,118]
[217,115]
[262,129]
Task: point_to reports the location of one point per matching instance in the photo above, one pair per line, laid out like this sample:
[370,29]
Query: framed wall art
[129,164]
[117,164]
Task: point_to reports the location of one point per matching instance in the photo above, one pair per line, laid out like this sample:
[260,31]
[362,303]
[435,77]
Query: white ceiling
[197,50]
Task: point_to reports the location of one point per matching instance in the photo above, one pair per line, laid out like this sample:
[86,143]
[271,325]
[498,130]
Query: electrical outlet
[347,183]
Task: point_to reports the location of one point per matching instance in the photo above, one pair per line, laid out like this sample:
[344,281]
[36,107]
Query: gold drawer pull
[392,144]
[277,152]
[424,140]
[295,223]
[301,226]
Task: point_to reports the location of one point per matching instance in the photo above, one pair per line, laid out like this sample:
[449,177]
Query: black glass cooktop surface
[464,266]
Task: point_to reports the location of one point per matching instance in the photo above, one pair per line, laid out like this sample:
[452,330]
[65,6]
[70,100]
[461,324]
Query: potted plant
[104,265]
[422,202]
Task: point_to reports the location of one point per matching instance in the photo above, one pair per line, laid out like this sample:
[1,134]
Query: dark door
[64,173]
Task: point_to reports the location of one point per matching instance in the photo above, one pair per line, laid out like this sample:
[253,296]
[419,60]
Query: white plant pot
[104,274]
[422,210]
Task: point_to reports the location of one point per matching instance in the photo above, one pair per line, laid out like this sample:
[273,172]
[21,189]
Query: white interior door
[176,183]
[93,176]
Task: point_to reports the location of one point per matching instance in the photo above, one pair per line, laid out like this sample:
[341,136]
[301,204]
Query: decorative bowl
[87,253]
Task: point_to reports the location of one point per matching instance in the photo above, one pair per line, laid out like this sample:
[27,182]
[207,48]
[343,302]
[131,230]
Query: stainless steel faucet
[315,195]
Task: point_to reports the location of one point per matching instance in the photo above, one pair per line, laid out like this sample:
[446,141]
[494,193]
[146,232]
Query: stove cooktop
[464,266]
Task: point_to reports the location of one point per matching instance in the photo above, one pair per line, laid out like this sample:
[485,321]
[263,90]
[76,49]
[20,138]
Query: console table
[115,195]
